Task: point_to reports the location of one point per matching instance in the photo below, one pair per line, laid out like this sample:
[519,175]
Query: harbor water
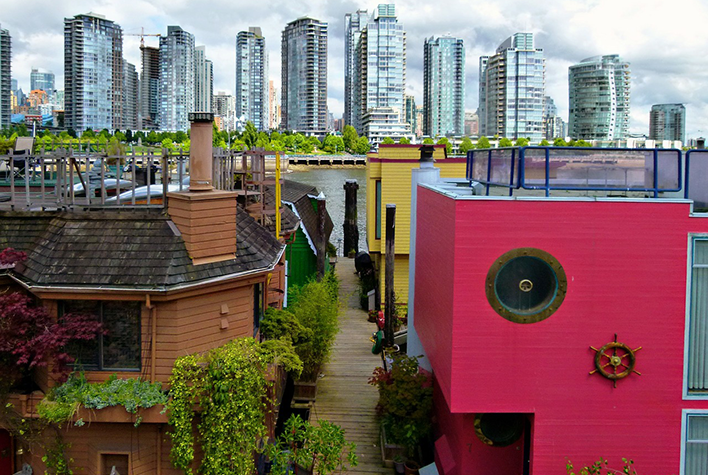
[330,181]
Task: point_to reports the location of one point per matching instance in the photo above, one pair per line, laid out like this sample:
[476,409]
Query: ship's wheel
[615,361]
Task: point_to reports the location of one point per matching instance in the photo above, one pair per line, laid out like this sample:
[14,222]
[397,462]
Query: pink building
[568,323]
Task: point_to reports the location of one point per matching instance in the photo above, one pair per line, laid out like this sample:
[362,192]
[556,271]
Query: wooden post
[321,238]
[390,258]
[351,230]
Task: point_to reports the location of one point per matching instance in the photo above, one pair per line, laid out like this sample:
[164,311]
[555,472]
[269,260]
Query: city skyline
[665,69]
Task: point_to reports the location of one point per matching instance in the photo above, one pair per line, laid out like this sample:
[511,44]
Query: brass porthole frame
[479,432]
[520,317]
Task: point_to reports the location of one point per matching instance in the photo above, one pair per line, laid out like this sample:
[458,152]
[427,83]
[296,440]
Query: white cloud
[662,40]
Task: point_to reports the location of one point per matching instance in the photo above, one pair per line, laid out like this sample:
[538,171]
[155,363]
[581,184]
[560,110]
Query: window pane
[85,353]
[121,344]
[698,337]
[378,210]
[697,452]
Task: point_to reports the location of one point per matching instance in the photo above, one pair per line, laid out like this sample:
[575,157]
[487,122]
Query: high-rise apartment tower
[511,90]
[444,86]
[252,92]
[5,78]
[354,24]
[150,88]
[203,80]
[304,76]
[667,122]
[176,79]
[599,90]
[93,73]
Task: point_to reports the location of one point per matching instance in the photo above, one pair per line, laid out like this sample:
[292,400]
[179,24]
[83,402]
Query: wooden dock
[343,395]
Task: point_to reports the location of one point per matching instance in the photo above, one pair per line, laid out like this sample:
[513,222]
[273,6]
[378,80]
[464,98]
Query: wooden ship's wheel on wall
[615,360]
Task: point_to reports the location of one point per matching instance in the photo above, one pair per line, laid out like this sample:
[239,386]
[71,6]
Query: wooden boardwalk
[343,395]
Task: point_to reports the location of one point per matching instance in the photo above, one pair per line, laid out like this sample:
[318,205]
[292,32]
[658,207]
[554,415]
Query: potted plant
[309,448]
[399,463]
[405,402]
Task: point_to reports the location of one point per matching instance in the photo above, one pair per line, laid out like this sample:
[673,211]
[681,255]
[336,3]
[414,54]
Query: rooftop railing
[67,179]
[614,171]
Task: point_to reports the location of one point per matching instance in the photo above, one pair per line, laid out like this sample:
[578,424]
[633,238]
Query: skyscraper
[511,90]
[354,24]
[149,88]
[252,90]
[203,80]
[273,106]
[42,80]
[176,79]
[444,86]
[304,76]
[410,116]
[93,73]
[381,75]
[599,90]
[5,78]
[130,97]
[667,122]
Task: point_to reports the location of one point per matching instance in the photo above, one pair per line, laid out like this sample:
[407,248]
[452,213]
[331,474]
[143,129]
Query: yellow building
[388,181]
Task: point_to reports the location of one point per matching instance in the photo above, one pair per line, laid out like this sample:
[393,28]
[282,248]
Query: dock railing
[579,169]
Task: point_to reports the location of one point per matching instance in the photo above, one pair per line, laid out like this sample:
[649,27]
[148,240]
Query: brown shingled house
[164,282]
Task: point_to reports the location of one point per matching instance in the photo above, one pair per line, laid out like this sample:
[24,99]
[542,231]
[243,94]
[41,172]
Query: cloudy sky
[664,41]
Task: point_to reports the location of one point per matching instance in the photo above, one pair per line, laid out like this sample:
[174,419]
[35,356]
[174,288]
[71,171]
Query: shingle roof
[299,195]
[123,249]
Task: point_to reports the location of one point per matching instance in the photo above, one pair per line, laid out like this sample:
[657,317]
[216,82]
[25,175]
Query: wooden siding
[89,442]
[393,166]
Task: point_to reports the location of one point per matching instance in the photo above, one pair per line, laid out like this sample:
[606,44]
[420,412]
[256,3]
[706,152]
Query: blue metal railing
[578,169]
[696,183]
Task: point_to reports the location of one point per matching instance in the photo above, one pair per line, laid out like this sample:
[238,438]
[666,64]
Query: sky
[664,41]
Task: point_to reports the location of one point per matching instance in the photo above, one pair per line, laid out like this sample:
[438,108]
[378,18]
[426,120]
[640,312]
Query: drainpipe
[428,174]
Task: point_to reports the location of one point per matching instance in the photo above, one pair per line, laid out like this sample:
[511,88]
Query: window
[378,209]
[526,285]
[698,318]
[119,349]
[695,447]
[257,307]
[115,464]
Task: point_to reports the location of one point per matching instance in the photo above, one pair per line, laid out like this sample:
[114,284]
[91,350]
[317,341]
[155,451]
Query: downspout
[153,336]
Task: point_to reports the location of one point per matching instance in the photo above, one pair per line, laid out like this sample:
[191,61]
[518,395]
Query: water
[330,181]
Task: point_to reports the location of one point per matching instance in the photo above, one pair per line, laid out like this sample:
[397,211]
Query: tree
[88,134]
[362,146]
[388,141]
[30,338]
[522,142]
[428,141]
[505,142]
[350,137]
[582,143]
[559,142]
[483,142]
[446,142]
[544,143]
[404,141]
[152,137]
[466,145]
[129,136]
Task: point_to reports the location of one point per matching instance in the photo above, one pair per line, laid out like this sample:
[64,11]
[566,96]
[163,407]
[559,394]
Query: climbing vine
[227,386]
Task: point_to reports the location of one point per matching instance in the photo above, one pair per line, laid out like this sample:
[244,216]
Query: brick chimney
[205,217]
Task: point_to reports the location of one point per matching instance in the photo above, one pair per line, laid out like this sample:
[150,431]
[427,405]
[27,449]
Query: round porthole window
[499,430]
[526,285]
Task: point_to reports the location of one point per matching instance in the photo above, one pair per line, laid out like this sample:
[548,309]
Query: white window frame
[692,237]
[684,434]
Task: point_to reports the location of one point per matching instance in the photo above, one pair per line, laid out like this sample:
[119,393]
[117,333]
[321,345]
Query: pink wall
[626,269]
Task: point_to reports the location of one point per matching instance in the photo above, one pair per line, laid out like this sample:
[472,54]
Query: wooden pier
[325,160]
[343,395]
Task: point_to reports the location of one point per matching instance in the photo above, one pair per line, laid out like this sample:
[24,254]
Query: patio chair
[21,156]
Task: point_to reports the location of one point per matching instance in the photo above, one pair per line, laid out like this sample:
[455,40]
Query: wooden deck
[343,395]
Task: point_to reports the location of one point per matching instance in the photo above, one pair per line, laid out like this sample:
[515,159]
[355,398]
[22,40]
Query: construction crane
[142,36]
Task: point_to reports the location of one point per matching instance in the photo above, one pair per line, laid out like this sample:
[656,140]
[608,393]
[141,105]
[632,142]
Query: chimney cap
[426,152]
[201,117]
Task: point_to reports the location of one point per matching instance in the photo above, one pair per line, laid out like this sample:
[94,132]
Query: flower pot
[411,468]
[305,390]
[399,465]
[389,451]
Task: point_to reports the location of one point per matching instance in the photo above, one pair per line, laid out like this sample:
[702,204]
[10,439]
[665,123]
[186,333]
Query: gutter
[151,290]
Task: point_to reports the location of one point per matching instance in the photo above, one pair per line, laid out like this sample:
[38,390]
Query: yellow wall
[394,171]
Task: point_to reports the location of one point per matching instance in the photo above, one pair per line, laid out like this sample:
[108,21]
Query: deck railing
[610,170]
[67,179]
